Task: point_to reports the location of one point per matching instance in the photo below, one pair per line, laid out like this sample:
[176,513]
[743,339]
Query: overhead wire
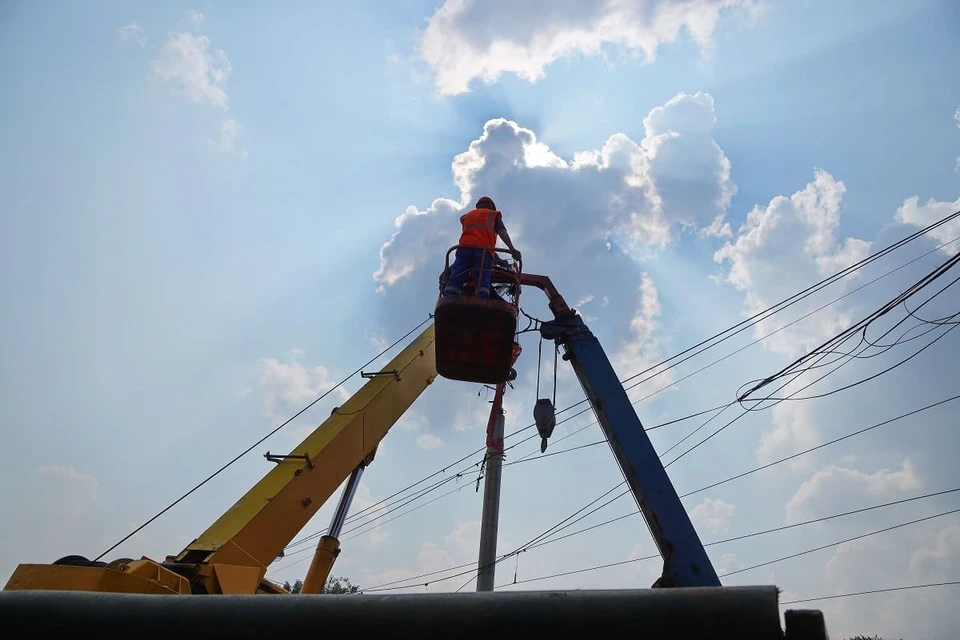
[438,484]
[692,448]
[749,322]
[520,548]
[777,530]
[678,457]
[784,372]
[698,444]
[838,543]
[892,503]
[357,535]
[872,591]
[732,353]
[719,408]
[794,455]
[755,566]
[538,541]
[260,441]
[797,297]
[863,324]
[777,462]
[769,334]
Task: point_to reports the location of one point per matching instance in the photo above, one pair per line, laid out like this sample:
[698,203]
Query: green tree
[340,585]
[335,584]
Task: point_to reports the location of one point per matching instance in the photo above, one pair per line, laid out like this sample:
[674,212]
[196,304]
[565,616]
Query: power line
[766,532]
[849,269]
[720,408]
[423,492]
[750,322]
[663,424]
[518,549]
[866,322]
[258,442]
[567,521]
[820,446]
[903,297]
[742,326]
[536,542]
[756,318]
[384,503]
[772,310]
[836,544]
[377,526]
[567,524]
[872,591]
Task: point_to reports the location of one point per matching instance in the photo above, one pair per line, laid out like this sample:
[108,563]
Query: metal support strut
[328,548]
[487,562]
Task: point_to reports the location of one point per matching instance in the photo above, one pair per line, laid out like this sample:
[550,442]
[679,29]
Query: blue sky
[199,203]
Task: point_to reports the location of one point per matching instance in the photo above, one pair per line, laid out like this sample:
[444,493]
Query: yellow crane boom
[233,554]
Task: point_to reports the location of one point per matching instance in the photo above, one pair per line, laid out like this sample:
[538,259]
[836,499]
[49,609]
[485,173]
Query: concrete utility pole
[491,494]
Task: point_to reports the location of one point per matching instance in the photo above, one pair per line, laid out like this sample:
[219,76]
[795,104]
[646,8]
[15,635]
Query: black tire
[73,561]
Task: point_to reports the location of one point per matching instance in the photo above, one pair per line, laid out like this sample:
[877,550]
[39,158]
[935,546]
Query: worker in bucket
[481,227]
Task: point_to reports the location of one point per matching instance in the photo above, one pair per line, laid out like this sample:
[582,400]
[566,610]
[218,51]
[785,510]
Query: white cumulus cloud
[956,117]
[465,537]
[923,553]
[785,247]
[192,70]
[133,31]
[198,72]
[793,431]
[290,385]
[363,502]
[835,488]
[429,442]
[715,515]
[641,349]
[558,209]
[597,209]
[913,213]
[194,18]
[458,546]
[939,559]
[228,133]
[484,39]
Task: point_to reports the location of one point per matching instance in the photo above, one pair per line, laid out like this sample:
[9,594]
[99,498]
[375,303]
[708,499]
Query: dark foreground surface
[725,612]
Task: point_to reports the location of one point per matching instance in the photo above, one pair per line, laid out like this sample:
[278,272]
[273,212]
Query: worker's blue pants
[466,264]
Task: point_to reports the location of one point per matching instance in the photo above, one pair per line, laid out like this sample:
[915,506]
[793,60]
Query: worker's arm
[502,232]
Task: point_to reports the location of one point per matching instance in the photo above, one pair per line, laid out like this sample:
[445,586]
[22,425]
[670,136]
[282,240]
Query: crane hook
[544,415]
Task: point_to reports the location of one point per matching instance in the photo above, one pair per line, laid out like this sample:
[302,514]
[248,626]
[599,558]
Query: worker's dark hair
[486,203]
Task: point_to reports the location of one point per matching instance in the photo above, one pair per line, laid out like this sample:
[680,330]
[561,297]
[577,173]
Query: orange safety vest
[479,228]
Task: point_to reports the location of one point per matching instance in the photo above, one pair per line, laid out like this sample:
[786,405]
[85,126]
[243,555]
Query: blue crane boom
[685,561]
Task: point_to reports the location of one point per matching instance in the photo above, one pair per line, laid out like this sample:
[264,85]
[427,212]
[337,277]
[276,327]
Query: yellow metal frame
[139,576]
[233,554]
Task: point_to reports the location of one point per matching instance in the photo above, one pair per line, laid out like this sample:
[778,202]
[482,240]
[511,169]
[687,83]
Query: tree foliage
[340,585]
[297,586]
[335,585]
